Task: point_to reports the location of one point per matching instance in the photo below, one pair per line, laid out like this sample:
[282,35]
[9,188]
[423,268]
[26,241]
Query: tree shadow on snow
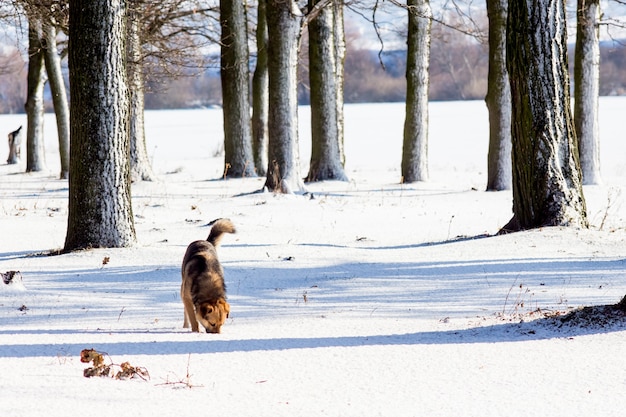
[582,322]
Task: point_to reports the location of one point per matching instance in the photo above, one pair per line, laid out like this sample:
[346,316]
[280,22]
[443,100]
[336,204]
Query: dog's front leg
[190,316]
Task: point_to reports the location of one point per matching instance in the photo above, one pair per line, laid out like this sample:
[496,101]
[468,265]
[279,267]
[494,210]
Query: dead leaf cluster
[10,277]
[102,369]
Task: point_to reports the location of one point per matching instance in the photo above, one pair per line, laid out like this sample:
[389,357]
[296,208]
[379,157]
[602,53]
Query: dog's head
[213,315]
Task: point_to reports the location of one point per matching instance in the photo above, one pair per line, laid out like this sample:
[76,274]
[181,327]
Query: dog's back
[202,267]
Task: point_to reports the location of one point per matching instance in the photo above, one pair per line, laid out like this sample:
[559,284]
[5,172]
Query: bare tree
[498,100]
[587,88]
[35,151]
[415,144]
[260,99]
[283,22]
[547,188]
[52,61]
[100,209]
[326,152]
[238,159]
[140,167]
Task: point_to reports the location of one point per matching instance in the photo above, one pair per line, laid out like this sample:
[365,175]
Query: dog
[203,290]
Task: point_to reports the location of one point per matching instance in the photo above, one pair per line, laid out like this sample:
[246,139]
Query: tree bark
[35,150]
[15,146]
[415,145]
[325,151]
[547,188]
[340,60]
[238,159]
[100,210]
[498,100]
[260,99]
[140,167]
[283,172]
[587,88]
[59,96]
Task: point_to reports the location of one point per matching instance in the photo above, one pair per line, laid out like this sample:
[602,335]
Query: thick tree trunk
[547,189]
[35,151]
[238,159]
[325,152]
[587,88]
[415,145]
[260,98]
[100,210]
[283,172]
[498,100]
[140,167]
[59,96]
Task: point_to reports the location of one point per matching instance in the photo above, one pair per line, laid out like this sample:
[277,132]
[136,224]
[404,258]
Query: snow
[363,298]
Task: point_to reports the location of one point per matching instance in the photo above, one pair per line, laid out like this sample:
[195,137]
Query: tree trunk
[140,167]
[547,189]
[498,100]
[260,100]
[35,150]
[586,88]
[100,210]
[415,145]
[238,159]
[59,96]
[15,146]
[340,60]
[325,152]
[283,172]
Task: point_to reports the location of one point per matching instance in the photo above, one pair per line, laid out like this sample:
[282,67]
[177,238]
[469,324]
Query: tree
[283,22]
[326,155]
[415,144]
[260,100]
[238,159]
[340,61]
[35,152]
[140,167]
[547,189]
[100,210]
[587,87]
[52,62]
[498,100]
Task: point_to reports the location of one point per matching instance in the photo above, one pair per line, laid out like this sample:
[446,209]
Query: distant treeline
[458,72]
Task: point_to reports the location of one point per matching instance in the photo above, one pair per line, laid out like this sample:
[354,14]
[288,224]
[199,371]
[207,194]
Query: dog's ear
[205,309]
[224,306]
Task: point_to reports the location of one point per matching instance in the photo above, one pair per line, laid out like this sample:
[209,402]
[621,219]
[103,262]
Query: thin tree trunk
[498,100]
[587,88]
[283,172]
[415,145]
[340,59]
[260,99]
[547,188]
[100,209]
[140,167]
[35,151]
[59,96]
[238,159]
[325,152]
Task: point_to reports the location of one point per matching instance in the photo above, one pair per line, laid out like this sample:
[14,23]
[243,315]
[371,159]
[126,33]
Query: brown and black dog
[203,290]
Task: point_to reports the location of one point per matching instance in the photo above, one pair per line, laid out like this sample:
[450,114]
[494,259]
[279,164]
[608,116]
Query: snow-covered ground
[365,298]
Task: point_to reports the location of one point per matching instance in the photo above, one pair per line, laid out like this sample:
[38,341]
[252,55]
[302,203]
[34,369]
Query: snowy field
[364,298]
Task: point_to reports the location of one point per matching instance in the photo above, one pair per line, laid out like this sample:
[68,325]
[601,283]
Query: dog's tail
[220,226]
